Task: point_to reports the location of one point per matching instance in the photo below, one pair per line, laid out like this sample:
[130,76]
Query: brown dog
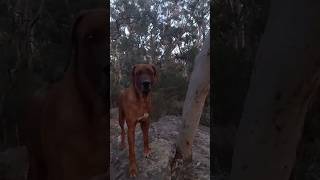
[135,107]
[65,129]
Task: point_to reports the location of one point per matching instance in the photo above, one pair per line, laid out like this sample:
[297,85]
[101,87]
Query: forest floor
[162,137]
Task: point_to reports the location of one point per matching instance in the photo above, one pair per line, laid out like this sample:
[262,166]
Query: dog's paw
[133,171]
[147,153]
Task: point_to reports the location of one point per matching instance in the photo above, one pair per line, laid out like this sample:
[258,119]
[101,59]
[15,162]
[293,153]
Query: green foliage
[170,92]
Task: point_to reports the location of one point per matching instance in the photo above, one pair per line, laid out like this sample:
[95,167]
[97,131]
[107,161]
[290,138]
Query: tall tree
[238,26]
[283,84]
[198,89]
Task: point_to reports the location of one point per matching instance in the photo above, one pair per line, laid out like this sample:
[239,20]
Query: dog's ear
[133,74]
[155,73]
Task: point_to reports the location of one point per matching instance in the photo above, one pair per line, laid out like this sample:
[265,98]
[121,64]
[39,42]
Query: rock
[162,137]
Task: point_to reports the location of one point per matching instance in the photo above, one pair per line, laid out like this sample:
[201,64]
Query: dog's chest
[143,107]
[142,110]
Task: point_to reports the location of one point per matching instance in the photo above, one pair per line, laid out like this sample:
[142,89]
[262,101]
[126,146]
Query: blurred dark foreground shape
[65,128]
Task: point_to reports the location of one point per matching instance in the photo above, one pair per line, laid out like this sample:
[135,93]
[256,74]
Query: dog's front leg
[132,156]
[145,131]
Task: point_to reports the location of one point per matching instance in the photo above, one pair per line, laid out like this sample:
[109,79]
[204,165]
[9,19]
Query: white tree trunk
[285,78]
[198,89]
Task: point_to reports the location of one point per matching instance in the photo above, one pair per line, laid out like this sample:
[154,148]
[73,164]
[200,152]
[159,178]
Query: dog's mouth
[145,91]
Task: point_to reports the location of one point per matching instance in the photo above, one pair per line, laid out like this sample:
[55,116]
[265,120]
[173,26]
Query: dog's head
[144,76]
[89,48]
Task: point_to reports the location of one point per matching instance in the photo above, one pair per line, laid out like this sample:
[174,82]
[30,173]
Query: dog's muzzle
[146,86]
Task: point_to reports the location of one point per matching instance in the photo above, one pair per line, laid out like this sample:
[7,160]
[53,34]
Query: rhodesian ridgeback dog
[134,108]
[66,128]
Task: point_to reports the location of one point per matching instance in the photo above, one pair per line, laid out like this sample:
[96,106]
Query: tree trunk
[196,95]
[285,78]
[24,24]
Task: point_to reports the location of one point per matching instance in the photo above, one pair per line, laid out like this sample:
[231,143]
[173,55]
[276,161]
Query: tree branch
[37,15]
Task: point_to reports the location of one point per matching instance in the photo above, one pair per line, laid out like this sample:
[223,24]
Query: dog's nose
[146,83]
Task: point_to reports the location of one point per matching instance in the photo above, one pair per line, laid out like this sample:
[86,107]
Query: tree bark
[283,83]
[198,89]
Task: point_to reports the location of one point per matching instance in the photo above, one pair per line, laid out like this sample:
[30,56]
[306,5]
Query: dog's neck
[139,95]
